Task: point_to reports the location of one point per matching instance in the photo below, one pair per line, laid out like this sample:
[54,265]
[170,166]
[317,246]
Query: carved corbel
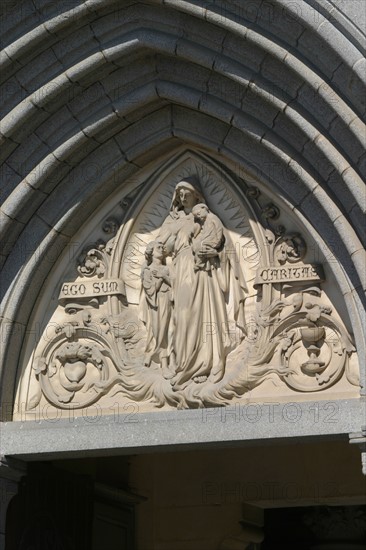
[359,438]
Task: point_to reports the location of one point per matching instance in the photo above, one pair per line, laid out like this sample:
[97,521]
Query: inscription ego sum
[81,289]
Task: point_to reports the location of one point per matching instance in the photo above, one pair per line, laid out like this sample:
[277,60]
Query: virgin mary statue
[208,287]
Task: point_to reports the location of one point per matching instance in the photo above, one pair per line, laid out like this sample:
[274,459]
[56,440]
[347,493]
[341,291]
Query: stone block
[237,72]
[13,123]
[362,166]
[27,155]
[358,128]
[140,98]
[73,191]
[242,51]
[198,9]
[15,19]
[57,128]
[182,72]
[198,124]
[311,99]
[10,230]
[51,95]
[284,22]
[332,210]
[141,131]
[23,202]
[8,66]
[6,149]
[75,148]
[358,219]
[47,174]
[87,101]
[178,94]
[248,125]
[349,237]
[352,85]
[342,134]
[224,89]
[104,124]
[338,236]
[29,46]
[217,108]
[293,134]
[107,27]
[11,94]
[118,52]
[238,13]
[131,76]
[41,70]
[245,146]
[355,185]
[84,72]
[28,265]
[191,429]
[24,126]
[2,260]
[66,15]
[317,51]
[192,52]
[318,160]
[188,139]
[162,144]
[339,42]
[208,34]
[12,336]
[280,76]
[355,300]
[9,180]
[50,9]
[343,195]
[76,46]
[317,213]
[142,110]
[359,259]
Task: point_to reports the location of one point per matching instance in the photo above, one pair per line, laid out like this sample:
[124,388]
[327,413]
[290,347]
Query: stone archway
[98,93]
[81,118]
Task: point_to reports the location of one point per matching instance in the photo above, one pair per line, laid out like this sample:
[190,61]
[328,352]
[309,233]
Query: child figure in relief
[156,283]
[209,240]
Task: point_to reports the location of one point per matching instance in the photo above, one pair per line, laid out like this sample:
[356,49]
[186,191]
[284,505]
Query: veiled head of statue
[187,194]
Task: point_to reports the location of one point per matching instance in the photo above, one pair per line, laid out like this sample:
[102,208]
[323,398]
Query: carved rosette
[258,309]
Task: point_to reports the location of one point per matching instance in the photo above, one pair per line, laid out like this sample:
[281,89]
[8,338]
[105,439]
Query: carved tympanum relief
[196,296]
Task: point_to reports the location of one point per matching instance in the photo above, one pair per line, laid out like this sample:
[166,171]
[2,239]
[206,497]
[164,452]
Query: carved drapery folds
[196,293]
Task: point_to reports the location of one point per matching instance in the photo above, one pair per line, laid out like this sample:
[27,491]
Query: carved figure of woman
[200,338]
[156,283]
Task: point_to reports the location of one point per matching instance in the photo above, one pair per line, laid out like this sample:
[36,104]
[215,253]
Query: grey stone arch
[96,93]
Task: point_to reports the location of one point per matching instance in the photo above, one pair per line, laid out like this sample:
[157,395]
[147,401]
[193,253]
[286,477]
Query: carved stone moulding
[190,288]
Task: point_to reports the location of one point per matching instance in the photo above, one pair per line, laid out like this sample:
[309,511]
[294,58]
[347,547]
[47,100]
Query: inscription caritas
[91,289]
[302,272]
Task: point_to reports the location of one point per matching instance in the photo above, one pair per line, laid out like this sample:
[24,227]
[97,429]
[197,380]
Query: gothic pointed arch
[104,98]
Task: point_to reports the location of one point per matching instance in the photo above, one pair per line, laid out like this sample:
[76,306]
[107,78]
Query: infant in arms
[209,239]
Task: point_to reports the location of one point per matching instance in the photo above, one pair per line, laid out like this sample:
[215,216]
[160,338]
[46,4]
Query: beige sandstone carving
[170,311]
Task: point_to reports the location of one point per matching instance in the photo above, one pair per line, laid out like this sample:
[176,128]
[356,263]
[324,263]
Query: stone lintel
[237,425]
